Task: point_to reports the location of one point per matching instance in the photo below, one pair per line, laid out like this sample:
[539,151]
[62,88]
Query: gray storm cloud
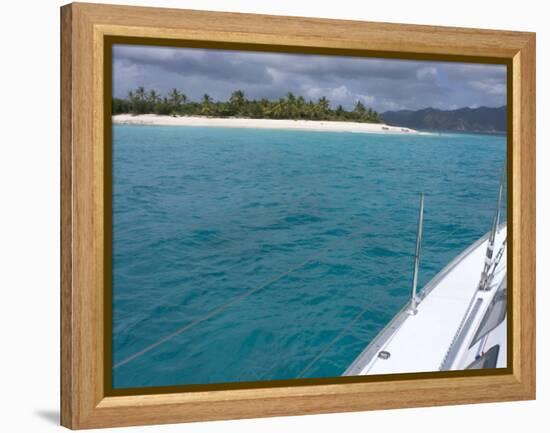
[384,84]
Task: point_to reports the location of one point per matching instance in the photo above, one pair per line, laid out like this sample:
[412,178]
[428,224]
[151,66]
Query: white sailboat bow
[456,322]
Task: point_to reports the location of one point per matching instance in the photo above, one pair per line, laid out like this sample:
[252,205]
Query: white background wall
[29,214]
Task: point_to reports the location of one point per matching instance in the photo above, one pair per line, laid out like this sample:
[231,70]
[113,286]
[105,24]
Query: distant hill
[482,119]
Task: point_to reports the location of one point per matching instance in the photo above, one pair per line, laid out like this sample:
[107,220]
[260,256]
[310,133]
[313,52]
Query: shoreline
[233,122]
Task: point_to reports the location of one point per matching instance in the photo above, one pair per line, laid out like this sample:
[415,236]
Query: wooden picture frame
[85,28]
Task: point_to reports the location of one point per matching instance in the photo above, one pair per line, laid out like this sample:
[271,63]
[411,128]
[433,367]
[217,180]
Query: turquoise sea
[318,227]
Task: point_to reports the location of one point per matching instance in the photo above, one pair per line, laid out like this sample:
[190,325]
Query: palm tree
[176,98]
[237,99]
[137,103]
[206,104]
[291,109]
[153,97]
[140,93]
[324,104]
[277,109]
[291,98]
[322,107]
[359,109]
[301,106]
[140,101]
[310,110]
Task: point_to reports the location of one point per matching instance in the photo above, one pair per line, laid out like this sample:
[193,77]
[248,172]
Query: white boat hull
[440,336]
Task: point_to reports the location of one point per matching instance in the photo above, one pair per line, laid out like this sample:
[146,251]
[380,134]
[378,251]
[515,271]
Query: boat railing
[385,334]
[414,299]
[484,279]
[470,313]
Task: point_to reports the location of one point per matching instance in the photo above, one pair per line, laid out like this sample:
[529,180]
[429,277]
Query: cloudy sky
[383,84]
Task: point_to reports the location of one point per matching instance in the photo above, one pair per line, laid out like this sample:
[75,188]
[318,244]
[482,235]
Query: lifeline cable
[358,316]
[232,301]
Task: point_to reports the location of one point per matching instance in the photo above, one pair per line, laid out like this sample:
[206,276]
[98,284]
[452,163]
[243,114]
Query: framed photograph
[266,215]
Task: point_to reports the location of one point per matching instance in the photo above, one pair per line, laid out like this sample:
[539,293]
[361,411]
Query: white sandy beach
[307,125]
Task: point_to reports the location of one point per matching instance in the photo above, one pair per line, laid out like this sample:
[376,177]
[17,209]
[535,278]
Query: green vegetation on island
[176,103]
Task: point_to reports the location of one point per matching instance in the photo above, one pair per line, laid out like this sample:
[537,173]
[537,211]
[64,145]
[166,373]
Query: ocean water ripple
[203,215]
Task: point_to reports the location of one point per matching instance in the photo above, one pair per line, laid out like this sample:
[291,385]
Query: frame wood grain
[84,27]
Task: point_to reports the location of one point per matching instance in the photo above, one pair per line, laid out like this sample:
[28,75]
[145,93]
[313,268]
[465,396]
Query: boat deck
[421,342]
